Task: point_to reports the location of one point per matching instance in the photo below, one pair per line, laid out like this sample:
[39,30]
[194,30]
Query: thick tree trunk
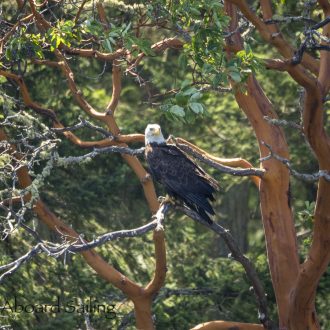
[295,285]
[274,199]
[274,188]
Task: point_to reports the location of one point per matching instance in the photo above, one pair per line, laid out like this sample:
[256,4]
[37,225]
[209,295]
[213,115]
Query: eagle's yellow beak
[157,131]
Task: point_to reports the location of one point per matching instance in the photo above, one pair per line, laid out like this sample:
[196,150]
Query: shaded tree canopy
[241,87]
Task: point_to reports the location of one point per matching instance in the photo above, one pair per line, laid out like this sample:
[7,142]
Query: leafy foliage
[186,105]
[24,45]
[64,33]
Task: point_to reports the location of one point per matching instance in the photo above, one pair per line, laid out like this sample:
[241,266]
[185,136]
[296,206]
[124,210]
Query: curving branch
[26,96]
[223,168]
[302,311]
[6,37]
[227,325]
[222,164]
[270,33]
[158,47]
[79,11]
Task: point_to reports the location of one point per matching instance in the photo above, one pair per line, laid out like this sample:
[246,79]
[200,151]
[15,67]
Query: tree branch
[302,176]
[276,39]
[222,168]
[80,245]
[227,325]
[222,164]
[243,260]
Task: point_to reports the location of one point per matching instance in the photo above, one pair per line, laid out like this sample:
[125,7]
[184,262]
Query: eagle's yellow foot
[167,199]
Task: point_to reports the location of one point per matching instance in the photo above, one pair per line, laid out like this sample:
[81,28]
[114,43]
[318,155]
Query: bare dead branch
[83,123]
[79,245]
[283,123]
[302,176]
[289,19]
[95,152]
[155,224]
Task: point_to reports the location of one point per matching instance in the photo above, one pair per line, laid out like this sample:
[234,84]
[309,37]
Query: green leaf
[196,107]
[195,11]
[126,28]
[185,83]
[177,110]
[196,96]
[183,61]
[107,45]
[189,91]
[235,75]
[181,98]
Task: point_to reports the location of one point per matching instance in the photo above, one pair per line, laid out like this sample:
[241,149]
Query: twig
[283,123]
[303,176]
[95,152]
[310,42]
[155,224]
[83,123]
[289,19]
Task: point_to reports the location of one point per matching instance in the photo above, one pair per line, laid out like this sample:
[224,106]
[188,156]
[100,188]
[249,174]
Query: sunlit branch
[222,168]
[166,293]
[277,39]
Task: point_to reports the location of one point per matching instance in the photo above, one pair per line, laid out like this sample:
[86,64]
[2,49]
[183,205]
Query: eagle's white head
[153,134]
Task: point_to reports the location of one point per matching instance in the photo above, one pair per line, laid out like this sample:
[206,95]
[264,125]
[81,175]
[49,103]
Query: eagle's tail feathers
[202,211]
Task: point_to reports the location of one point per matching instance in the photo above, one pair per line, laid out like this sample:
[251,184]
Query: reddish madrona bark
[295,285]
[227,325]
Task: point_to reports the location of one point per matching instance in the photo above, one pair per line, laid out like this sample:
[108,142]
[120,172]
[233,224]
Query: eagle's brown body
[181,177]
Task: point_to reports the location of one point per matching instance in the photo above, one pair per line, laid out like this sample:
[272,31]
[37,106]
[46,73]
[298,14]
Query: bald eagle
[182,178]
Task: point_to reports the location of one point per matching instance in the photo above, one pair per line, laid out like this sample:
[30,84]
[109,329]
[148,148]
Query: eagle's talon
[169,199]
[154,217]
[161,199]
